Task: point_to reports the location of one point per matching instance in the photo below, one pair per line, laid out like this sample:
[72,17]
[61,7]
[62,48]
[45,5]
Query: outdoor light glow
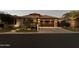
[17,25]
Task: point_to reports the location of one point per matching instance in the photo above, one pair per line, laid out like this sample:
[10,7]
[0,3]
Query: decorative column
[38,24]
[55,23]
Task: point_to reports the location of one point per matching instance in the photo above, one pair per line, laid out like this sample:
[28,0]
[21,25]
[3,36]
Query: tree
[64,23]
[72,16]
[30,23]
[7,18]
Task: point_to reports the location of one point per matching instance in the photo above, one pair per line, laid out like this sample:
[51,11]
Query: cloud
[57,13]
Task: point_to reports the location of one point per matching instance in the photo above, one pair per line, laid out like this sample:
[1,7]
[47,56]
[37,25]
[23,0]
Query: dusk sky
[56,13]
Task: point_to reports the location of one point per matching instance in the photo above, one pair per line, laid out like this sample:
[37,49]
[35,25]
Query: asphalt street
[47,40]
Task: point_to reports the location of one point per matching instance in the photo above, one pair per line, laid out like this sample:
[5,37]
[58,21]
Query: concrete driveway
[53,30]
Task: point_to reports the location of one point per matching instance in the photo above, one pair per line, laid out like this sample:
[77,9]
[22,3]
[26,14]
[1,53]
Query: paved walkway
[53,30]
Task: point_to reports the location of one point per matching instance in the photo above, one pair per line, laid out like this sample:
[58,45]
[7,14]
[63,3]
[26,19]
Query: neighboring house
[4,26]
[77,22]
[73,23]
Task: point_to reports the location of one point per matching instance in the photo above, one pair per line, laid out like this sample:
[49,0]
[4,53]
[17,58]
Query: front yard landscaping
[72,29]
